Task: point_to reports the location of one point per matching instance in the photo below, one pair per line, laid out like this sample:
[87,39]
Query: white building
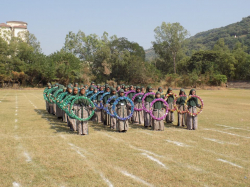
[12,28]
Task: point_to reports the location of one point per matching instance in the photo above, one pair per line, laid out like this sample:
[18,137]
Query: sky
[51,20]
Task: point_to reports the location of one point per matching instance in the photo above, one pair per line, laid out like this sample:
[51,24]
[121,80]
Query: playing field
[37,149]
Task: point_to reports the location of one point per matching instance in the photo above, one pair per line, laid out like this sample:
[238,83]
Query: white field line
[131,146]
[155,160]
[15,184]
[146,133]
[30,137]
[226,133]
[28,158]
[75,148]
[79,150]
[194,168]
[15,120]
[219,141]
[178,143]
[36,96]
[227,156]
[63,136]
[230,127]
[116,139]
[145,151]
[15,127]
[135,178]
[106,180]
[233,164]
[4,97]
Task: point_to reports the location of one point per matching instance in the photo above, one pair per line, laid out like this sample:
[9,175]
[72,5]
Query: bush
[218,79]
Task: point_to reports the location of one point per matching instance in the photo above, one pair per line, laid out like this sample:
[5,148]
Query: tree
[82,45]
[66,66]
[169,40]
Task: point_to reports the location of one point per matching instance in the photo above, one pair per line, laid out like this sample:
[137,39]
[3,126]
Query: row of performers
[123,108]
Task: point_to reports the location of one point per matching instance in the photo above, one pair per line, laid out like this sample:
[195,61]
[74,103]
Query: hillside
[150,54]
[232,33]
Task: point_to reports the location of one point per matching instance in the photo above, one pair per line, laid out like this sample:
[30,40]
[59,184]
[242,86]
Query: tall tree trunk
[174,56]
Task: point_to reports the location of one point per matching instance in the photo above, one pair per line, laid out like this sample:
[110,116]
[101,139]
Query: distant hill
[150,54]
[232,33]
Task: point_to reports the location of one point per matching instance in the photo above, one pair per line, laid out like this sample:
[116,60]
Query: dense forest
[209,58]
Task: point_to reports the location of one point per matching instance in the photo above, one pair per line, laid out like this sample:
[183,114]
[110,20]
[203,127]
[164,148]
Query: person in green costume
[118,87]
[94,99]
[69,91]
[86,88]
[138,115]
[52,104]
[142,89]
[91,88]
[112,120]
[161,92]
[58,110]
[121,109]
[182,117]
[82,111]
[99,111]
[98,87]
[72,121]
[46,102]
[192,121]
[170,101]
[148,100]
[158,111]
[130,96]
[104,101]
[125,88]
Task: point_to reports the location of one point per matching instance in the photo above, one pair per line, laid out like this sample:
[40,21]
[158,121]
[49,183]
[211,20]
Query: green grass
[39,150]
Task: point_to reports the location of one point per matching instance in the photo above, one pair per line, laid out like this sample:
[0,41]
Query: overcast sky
[51,20]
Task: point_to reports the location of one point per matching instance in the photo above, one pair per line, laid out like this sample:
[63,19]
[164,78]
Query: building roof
[4,25]
[20,26]
[17,22]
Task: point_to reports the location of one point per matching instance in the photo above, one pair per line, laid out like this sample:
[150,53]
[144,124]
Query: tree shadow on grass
[55,123]
[171,125]
[5,101]
[100,127]
[138,126]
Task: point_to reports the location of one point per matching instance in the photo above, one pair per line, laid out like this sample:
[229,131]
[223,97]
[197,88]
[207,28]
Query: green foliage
[218,79]
[232,34]
[170,39]
[208,58]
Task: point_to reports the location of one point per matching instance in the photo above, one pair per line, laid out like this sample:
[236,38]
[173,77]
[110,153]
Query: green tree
[82,45]
[169,40]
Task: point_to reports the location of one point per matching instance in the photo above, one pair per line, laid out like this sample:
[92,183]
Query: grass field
[39,150]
